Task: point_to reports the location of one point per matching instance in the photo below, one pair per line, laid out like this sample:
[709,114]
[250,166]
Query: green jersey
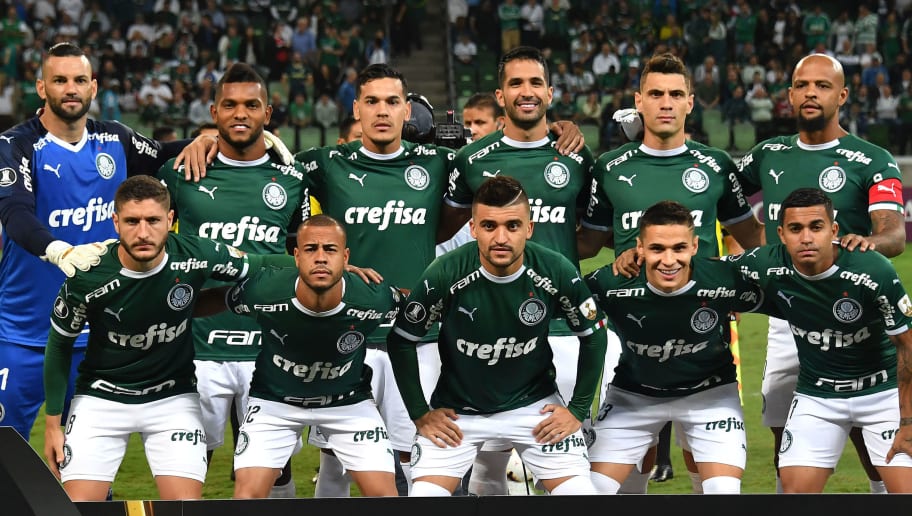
[139,348]
[633,177]
[493,343]
[858,176]
[390,205]
[250,205]
[673,344]
[312,359]
[840,318]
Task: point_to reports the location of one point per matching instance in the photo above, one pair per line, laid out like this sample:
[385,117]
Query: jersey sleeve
[144,155]
[892,300]
[748,175]
[599,212]
[732,206]
[17,199]
[314,164]
[459,194]
[885,189]
[749,295]
[423,306]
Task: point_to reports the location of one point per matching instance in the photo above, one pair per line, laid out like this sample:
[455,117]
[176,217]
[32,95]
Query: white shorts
[98,430]
[566,458]
[780,373]
[711,422]
[270,435]
[565,357]
[816,430]
[386,393]
[220,383]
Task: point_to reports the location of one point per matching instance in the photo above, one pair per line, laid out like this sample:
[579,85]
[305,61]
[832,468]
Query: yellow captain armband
[315,208]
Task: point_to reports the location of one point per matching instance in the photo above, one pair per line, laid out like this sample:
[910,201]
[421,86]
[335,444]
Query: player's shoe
[662,472]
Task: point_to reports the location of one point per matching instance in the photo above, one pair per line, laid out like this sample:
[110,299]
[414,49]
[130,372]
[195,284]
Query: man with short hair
[494,299]
[850,317]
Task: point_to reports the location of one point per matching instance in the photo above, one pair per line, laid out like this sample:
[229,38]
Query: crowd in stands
[741,54]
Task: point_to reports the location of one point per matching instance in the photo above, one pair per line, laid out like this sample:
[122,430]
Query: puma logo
[753,252]
[880,188]
[775,175]
[56,171]
[210,193]
[574,280]
[467,312]
[360,180]
[638,321]
[428,287]
[628,180]
[788,299]
[8,139]
[113,313]
[485,173]
[280,337]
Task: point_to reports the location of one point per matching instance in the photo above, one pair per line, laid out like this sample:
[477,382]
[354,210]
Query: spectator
[129,97]
[869,74]
[95,19]
[761,113]
[326,113]
[849,58]
[556,26]
[198,113]
[304,40]
[707,94]
[865,28]
[377,50]
[889,35]
[561,79]
[280,113]
[887,107]
[300,112]
[752,67]
[745,27]
[465,50]
[604,60]
[108,100]
[582,49]
[208,74]
[564,108]
[157,92]
[590,111]
[708,68]
[510,17]
[229,46]
[164,133]
[298,76]
[533,17]
[671,32]
[583,81]
[736,110]
[904,133]
[816,27]
[843,29]
[346,93]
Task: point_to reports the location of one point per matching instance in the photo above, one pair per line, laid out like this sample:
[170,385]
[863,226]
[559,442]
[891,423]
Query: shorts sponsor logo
[725,425]
[60,308]
[349,342]
[695,180]
[704,320]
[242,443]
[374,435]
[105,165]
[532,311]
[787,441]
[416,454]
[179,296]
[557,174]
[832,179]
[568,445]
[847,310]
[415,312]
[8,177]
[274,196]
[195,437]
[417,177]
[67,456]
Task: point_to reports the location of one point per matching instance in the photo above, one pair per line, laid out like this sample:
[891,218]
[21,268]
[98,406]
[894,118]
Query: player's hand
[53,444]
[631,123]
[438,426]
[852,241]
[627,264]
[556,427]
[69,258]
[569,137]
[902,443]
[275,143]
[196,156]
[367,274]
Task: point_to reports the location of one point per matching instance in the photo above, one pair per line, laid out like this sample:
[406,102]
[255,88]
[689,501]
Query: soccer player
[863,181]
[494,299]
[137,375]
[850,317]
[664,166]
[220,206]
[676,363]
[315,320]
[58,174]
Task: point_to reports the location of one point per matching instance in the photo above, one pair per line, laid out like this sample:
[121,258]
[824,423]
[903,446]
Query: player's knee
[578,485]
[722,485]
[604,484]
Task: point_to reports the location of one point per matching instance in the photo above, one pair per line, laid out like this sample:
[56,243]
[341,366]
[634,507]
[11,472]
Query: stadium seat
[745,136]
[879,134]
[717,132]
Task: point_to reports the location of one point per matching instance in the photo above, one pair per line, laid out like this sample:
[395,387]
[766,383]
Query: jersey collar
[818,146]
[145,274]
[382,157]
[328,313]
[502,279]
[235,163]
[75,147]
[687,286]
[525,145]
[663,153]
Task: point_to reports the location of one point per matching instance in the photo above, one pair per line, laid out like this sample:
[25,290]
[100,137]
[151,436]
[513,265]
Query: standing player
[315,319]
[494,299]
[676,363]
[850,317]
[220,206]
[58,174]
[865,185]
[137,375]
[664,166]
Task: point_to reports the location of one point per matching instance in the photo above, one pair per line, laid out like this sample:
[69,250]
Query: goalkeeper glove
[276,144]
[631,123]
[69,258]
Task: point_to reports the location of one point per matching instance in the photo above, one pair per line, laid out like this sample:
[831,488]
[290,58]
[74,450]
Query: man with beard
[865,184]
[58,174]
[251,199]
[138,373]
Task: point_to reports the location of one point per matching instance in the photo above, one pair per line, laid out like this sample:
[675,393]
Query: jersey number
[4,373]
[253,409]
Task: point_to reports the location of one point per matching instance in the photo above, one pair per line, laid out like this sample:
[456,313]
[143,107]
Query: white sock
[696,483]
[878,487]
[283,491]
[422,488]
[604,484]
[722,485]
[636,483]
[331,481]
[489,473]
[578,485]
[779,485]
[407,473]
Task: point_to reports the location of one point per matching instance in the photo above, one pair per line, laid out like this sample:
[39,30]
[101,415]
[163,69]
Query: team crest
[417,177]
[349,341]
[787,441]
[104,163]
[588,309]
[7,177]
[60,308]
[415,312]
[832,179]
[532,311]
[416,454]
[242,443]
[704,320]
[905,306]
[274,196]
[180,296]
[695,180]
[847,310]
[67,456]
[557,174]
